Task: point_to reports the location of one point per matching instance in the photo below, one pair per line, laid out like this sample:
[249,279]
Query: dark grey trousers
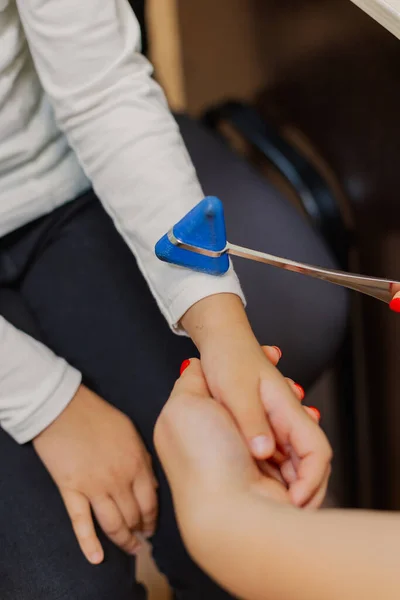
[70,280]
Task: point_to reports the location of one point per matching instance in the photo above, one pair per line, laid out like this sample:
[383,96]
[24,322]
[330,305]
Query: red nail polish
[279,351]
[301,390]
[184,365]
[395,305]
[316,412]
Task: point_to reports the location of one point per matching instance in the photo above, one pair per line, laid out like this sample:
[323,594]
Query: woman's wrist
[217,315]
[220,535]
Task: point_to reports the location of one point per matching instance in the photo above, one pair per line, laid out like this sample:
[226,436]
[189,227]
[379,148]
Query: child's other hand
[99,463]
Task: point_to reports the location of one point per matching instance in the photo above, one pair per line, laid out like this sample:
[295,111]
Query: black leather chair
[343,98]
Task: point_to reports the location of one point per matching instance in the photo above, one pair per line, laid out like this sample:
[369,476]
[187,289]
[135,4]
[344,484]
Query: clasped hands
[203,450]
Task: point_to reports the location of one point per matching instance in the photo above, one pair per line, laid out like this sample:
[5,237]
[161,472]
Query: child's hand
[262,403]
[99,463]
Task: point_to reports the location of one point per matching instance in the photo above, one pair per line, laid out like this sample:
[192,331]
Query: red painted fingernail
[301,390]
[279,351]
[316,412]
[395,305]
[184,365]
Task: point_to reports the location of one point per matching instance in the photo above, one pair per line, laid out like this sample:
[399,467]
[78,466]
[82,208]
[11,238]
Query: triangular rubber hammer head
[203,227]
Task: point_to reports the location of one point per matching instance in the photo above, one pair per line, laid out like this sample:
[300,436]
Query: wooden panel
[165,50]
[205,51]
[221,57]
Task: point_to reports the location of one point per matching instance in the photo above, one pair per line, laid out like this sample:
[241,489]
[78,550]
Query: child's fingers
[79,512]
[146,496]
[250,417]
[112,522]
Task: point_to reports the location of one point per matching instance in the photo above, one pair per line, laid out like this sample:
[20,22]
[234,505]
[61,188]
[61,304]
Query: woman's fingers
[395,303]
[191,381]
[313,412]
[273,353]
[311,472]
[300,439]
[288,464]
[296,389]
[271,470]
[280,457]
[78,508]
[301,468]
[113,524]
[288,471]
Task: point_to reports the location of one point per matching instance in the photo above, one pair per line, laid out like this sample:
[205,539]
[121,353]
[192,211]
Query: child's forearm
[259,550]
[218,315]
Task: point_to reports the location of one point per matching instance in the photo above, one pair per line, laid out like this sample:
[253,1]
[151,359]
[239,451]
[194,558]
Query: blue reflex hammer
[198,242]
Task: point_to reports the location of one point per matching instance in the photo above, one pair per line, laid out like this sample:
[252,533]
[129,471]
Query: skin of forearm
[259,550]
[215,315]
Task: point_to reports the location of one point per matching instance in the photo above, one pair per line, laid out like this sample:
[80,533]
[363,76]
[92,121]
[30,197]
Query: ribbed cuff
[48,412]
[196,287]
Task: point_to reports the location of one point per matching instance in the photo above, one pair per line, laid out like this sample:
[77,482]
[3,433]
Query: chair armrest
[316,196]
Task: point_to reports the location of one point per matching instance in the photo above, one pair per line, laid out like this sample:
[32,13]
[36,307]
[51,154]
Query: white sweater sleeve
[35,385]
[87,54]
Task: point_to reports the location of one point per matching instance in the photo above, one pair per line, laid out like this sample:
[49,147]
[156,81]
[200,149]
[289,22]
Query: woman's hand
[238,526]
[99,463]
[203,452]
[259,398]
[284,464]
[395,302]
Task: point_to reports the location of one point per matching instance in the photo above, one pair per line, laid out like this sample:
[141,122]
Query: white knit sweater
[78,108]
